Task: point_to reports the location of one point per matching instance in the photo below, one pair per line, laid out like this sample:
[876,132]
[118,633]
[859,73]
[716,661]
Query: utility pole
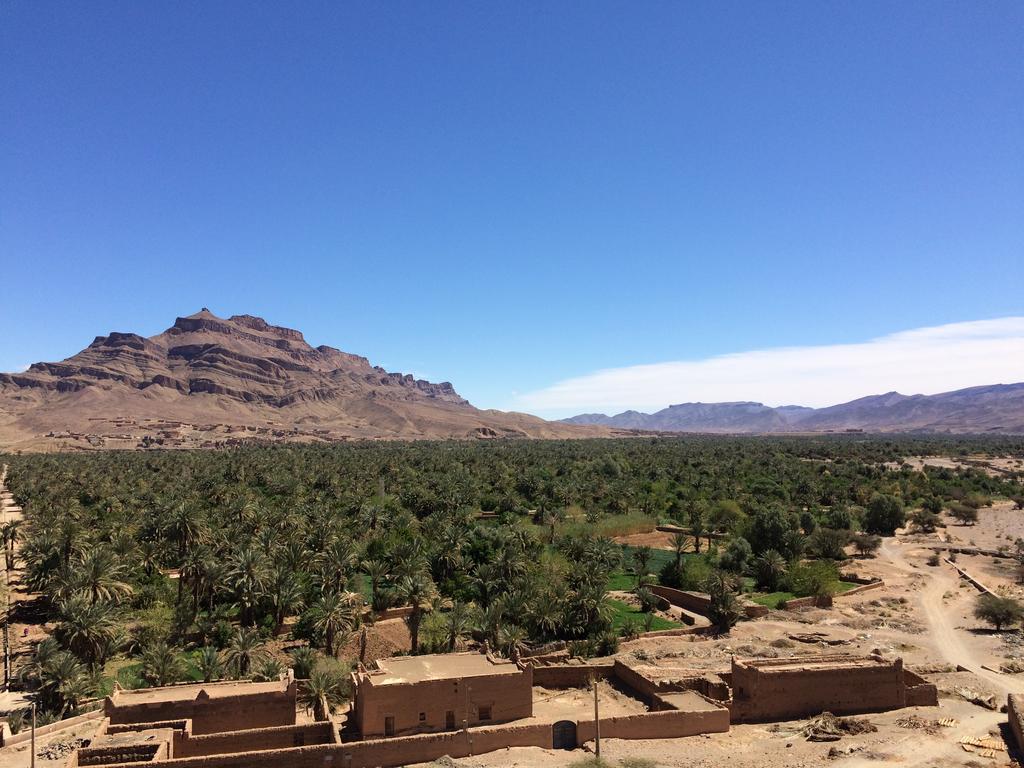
[33,735]
[597,725]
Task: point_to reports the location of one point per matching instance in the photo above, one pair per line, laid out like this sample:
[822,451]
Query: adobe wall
[1015,713]
[210,714]
[918,691]
[26,733]
[279,737]
[708,685]
[814,601]
[378,753]
[388,753]
[695,602]
[670,724]
[509,696]
[700,603]
[571,675]
[760,694]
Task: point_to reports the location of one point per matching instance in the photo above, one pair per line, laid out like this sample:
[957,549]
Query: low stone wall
[1015,713]
[814,601]
[280,737]
[876,584]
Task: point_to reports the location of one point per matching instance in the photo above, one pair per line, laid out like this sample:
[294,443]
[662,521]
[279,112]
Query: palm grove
[185,564]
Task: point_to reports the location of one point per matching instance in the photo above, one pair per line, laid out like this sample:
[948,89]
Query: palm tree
[377,572]
[458,622]
[245,650]
[491,620]
[679,542]
[323,693]
[286,594]
[303,661]
[546,616]
[209,663]
[641,561]
[247,577]
[63,684]
[770,568]
[86,628]
[161,665]
[334,615]
[336,562]
[102,575]
[418,592]
[185,528]
[269,669]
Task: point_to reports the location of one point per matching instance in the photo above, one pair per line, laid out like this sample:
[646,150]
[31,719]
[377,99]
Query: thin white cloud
[923,360]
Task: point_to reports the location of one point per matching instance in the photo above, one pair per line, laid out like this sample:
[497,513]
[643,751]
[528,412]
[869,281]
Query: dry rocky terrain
[209,382]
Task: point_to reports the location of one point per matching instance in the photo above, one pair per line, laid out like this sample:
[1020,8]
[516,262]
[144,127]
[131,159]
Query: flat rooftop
[813,663]
[127,698]
[447,666]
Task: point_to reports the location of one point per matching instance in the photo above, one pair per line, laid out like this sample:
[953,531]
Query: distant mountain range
[997,408]
[209,381]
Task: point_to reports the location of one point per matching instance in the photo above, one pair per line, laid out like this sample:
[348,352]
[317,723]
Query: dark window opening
[485,712]
[423,717]
[389,726]
[449,720]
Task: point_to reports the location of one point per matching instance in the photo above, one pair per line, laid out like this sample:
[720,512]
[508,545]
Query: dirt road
[944,637]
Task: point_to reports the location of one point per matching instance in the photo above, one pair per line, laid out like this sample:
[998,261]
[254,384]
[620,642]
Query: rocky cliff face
[210,380]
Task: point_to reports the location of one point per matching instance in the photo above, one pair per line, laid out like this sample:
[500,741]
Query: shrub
[963,513]
[866,543]
[816,579]
[884,515]
[828,543]
[737,555]
[998,611]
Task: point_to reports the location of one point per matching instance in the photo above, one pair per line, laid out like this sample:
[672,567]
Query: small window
[485,711]
[423,717]
[389,726]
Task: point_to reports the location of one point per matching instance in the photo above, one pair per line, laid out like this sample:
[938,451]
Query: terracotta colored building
[785,689]
[444,692]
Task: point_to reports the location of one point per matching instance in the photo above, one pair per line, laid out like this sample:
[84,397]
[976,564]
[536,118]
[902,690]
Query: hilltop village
[601,597]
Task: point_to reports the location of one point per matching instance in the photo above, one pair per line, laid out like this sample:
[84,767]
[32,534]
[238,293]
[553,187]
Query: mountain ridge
[208,381]
[984,408]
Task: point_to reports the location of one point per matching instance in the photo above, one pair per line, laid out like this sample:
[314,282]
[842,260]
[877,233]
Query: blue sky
[512,196]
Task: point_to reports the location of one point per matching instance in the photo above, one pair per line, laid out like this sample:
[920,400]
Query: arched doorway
[563,735]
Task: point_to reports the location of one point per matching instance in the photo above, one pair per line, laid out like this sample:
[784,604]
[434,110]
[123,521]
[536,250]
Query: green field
[625,612]
[774,599]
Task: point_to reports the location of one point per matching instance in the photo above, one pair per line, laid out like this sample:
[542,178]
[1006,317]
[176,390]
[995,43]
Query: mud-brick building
[444,692]
[786,689]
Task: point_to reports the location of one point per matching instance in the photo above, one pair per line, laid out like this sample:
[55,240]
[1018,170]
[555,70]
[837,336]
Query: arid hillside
[208,381]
